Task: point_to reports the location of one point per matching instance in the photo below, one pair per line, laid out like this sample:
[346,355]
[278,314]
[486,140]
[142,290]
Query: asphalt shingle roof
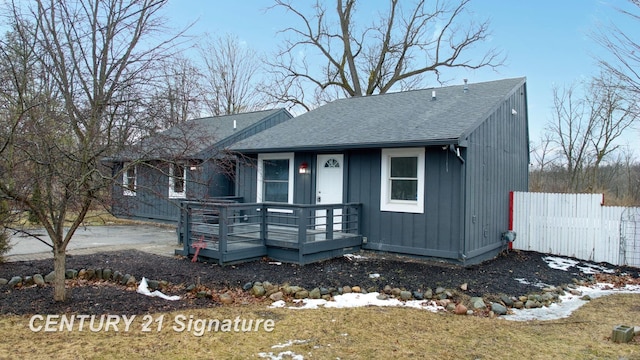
[192,137]
[410,117]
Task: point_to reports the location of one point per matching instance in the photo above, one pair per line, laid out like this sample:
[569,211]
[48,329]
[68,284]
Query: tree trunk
[59,267]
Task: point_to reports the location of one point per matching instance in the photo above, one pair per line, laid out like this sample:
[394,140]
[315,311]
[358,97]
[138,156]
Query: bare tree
[571,130]
[396,50]
[624,47]
[178,94]
[90,52]
[231,76]
[613,111]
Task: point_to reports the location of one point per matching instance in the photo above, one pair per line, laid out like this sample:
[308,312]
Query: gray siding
[435,233]
[497,162]
[152,202]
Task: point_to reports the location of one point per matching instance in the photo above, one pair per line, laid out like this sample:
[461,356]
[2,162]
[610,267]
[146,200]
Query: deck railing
[236,231]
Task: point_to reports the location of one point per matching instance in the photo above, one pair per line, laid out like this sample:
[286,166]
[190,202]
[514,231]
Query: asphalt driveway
[161,240]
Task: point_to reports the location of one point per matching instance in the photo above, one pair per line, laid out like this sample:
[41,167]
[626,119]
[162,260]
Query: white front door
[329,180]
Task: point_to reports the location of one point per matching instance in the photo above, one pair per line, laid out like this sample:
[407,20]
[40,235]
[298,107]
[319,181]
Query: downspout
[463,205]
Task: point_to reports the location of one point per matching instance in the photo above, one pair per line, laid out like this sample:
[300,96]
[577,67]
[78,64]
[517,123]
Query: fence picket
[575,225]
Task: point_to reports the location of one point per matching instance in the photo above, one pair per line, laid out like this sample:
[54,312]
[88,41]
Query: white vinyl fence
[575,225]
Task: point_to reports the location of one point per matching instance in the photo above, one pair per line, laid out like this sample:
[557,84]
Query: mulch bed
[491,278]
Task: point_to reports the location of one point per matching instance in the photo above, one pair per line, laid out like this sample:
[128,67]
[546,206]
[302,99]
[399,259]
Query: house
[431,170]
[185,162]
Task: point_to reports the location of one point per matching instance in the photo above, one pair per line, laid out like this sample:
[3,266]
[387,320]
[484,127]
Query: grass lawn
[360,333]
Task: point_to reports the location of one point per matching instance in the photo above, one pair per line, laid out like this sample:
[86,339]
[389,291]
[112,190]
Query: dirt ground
[491,278]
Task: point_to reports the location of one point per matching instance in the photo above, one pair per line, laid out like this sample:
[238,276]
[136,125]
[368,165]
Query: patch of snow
[569,303]
[352,257]
[281,356]
[559,263]
[289,343]
[524,281]
[351,300]
[594,269]
[275,263]
[284,354]
[565,264]
[143,289]
[374,276]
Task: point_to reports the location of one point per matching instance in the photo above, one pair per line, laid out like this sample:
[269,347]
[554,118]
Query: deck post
[186,210]
[263,223]
[302,222]
[223,223]
[329,227]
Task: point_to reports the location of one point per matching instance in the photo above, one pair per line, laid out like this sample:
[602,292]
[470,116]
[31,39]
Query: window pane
[276,192]
[276,169]
[131,178]
[178,178]
[405,167]
[404,190]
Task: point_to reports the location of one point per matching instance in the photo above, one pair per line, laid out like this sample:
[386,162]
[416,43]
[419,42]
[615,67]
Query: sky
[548,42]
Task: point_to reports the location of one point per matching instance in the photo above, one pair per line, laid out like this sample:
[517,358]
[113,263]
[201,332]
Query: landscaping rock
[15,281]
[247,286]
[478,303]
[346,289]
[518,304]
[28,281]
[418,295]
[532,304]
[302,294]
[356,289]
[90,274]
[99,274]
[464,287]
[50,277]
[498,309]
[82,274]
[258,290]
[38,280]
[226,298]
[460,309]
[131,281]
[191,287]
[153,284]
[396,292]
[506,300]
[440,290]
[277,296]
[382,296]
[315,293]
[107,274]
[71,274]
[125,278]
[405,295]
[428,294]
[3,281]
[450,307]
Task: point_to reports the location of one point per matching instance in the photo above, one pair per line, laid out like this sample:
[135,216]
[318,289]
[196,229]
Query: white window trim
[276,156]
[174,194]
[406,206]
[125,180]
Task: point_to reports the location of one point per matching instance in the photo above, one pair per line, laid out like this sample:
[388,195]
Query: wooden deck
[290,233]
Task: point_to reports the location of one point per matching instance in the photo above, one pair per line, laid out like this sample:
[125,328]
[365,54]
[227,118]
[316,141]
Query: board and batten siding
[497,162]
[428,234]
[152,202]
